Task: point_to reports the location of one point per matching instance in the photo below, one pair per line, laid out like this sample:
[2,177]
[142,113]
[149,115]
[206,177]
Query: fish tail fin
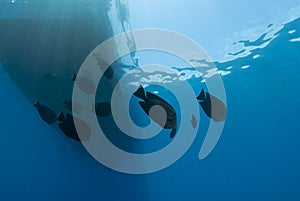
[61,117]
[37,104]
[74,77]
[140,93]
[201,95]
[173,132]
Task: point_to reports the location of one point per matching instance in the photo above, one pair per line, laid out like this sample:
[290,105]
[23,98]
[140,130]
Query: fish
[212,106]
[150,101]
[46,113]
[67,126]
[50,76]
[109,73]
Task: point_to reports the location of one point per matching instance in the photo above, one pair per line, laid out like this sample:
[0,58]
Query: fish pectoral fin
[173,132]
[37,104]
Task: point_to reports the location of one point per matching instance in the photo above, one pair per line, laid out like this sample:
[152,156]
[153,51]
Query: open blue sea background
[257,157]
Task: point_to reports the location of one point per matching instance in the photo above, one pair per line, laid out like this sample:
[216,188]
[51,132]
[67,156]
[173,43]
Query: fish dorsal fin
[201,95]
[61,117]
[140,93]
[37,104]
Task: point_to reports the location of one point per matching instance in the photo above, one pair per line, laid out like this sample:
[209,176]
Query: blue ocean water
[255,159]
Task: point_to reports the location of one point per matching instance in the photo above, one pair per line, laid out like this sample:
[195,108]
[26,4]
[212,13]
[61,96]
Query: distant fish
[150,101]
[109,73]
[50,76]
[212,106]
[102,109]
[68,128]
[99,58]
[194,121]
[85,84]
[74,76]
[68,104]
[78,108]
[47,114]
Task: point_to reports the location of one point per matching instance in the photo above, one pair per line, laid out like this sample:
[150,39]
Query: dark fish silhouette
[212,106]
[47,114]
[109,73]
[68,127]
[150,100]
[102,109]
